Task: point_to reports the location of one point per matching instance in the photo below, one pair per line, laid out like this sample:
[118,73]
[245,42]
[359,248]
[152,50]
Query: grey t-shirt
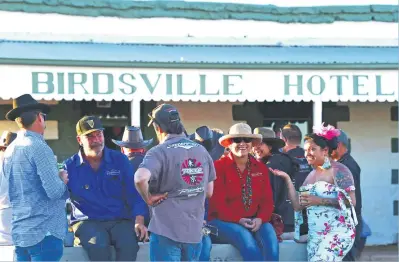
[183,169]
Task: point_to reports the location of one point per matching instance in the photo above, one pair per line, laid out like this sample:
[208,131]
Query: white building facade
[219,63]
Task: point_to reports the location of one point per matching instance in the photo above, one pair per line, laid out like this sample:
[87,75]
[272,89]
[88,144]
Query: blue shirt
[37,194]
[106,194]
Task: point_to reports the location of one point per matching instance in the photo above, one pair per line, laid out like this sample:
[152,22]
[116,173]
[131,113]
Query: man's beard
[96,149]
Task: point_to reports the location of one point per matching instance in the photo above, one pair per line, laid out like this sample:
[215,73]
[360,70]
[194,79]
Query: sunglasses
[238,140]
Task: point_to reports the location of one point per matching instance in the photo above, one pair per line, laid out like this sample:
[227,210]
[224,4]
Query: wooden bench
[289,251]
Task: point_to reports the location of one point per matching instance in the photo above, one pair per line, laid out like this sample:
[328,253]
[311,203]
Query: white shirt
[5,210]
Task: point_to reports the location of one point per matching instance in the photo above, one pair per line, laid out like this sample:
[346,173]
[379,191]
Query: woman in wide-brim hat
[269,153]
[270,143]
[240,130]
[242,201]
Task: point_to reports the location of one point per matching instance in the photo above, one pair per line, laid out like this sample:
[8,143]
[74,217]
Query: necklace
[246,186]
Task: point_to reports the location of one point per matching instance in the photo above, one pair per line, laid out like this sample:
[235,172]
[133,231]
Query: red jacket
[226,203]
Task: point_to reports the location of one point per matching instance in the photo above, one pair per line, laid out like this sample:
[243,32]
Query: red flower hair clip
[328,132]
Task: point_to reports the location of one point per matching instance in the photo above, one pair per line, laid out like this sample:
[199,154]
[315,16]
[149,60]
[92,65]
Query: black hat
[25,103]
[133,138]
[167,117]
[269,137]
[6,138]
[88,124]
[203,135]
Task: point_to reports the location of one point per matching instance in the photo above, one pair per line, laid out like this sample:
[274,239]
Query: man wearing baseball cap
[106,208]
[174,178]
[342,155]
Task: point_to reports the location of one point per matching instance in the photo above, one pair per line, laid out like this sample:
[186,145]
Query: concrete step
[289,251]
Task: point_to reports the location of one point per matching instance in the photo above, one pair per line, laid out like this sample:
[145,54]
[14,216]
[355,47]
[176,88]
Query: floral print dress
[331,230]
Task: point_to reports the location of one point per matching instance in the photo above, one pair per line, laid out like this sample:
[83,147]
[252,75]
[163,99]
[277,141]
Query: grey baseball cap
[343,138]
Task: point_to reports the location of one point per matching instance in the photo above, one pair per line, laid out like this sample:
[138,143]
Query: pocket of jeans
[36,249]
[52,244]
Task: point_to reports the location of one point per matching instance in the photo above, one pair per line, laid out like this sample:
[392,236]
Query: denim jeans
[97,237]
[49,249]
[165,249]
[259,246]
[206,248]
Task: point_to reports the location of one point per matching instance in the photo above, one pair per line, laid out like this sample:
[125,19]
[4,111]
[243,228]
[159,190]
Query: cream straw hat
[240,130]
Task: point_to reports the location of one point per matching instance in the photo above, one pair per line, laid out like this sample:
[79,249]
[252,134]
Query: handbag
[278,225]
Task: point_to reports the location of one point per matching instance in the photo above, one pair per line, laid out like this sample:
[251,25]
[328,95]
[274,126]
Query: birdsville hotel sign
[199,84]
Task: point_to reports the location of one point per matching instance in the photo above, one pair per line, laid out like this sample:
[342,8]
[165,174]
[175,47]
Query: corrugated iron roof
[206,10]
[203,54]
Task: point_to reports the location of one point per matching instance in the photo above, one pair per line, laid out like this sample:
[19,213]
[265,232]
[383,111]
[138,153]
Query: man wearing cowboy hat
[269,153]
[106,208]
[180,173]
[134,147]
[37,189]
[5,205]
[208,138]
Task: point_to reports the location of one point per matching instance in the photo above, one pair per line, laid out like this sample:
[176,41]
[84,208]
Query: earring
[327,163]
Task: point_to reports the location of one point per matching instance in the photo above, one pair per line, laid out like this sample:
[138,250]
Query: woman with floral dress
[328,194]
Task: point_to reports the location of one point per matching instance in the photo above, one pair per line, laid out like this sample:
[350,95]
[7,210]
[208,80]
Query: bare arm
[292,193]
[344,179]
[209,190]
[141,178]
[329,202]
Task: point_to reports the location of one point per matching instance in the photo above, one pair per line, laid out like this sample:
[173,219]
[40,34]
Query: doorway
[114,116]
[278,114]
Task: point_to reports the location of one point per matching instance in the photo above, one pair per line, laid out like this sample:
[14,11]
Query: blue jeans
[259,246]
[165,249]
[206,248]
[49,249]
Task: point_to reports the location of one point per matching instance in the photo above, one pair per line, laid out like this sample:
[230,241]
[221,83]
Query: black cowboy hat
[133,138]
[25,103]
[203,135]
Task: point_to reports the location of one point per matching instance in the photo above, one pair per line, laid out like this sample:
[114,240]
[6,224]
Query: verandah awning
[99,71]
[83,83]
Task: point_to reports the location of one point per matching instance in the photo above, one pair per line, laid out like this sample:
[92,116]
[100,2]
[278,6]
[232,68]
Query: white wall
[371,130]
[215,115]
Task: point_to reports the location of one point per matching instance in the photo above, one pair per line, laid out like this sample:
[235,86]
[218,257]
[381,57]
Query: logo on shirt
[192,172]
[185,145]
[113,172]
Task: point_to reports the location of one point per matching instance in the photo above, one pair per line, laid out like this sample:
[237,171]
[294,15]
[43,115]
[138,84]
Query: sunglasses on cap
[238,140]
